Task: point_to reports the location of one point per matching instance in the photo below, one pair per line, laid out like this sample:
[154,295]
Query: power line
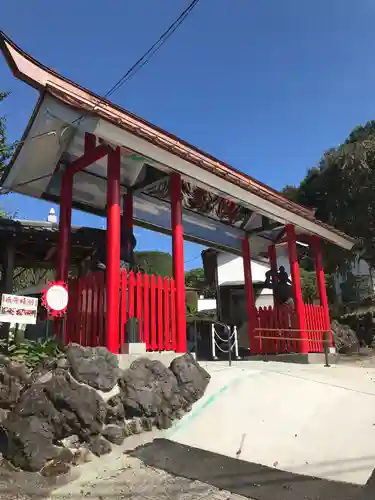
[153,49]
[194,258]
[142,61]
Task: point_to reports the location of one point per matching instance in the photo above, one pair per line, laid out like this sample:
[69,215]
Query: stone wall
[60,413]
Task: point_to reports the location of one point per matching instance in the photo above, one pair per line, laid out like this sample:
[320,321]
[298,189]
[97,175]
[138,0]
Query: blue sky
[267,85]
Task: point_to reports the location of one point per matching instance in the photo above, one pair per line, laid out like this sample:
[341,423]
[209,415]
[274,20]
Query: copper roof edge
[145,129]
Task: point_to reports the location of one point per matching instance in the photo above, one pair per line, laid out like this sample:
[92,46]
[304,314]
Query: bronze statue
[280,284]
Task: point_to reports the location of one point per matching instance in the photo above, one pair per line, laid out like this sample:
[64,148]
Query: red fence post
[146,311]
[160,314]
[123,306]
[131,295]
[173,315]
[154,344]
[178,259]
[297,291]
[139,305]
[167,331]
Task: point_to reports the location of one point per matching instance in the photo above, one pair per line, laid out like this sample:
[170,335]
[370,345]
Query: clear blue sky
[267,85]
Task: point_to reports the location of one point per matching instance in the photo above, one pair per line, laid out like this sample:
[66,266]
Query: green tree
[154,262]
[5,150]
[341,191]
[195,278]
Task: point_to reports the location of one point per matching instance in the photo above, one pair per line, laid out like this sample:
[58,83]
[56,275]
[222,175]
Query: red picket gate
[85,317]
[149,298]
[277,329]
[315,325]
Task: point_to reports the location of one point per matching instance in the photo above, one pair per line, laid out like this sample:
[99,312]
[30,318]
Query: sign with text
[18,309]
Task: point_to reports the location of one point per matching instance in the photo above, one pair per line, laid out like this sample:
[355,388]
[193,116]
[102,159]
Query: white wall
[206,304]
[230,268]
[359,268]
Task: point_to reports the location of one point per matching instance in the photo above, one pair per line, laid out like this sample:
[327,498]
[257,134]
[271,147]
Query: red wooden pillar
[249,297]
[320,280]
[297,291]
[65,219]
[178,260]
[273,265]
[113,251]
[127,213]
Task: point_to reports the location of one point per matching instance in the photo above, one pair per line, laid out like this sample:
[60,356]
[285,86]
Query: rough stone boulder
[13,377]
[115,411]
[94,366]
[192,378]
[345,339]
[149,389]
[52,409]
[115,434]
[83,403]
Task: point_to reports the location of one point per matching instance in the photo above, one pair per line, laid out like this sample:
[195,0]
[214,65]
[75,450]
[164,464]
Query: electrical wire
[142,61]
[154,48]
[194,258]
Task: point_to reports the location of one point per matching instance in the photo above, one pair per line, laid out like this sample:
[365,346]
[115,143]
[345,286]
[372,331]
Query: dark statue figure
[281,285]
[127,261]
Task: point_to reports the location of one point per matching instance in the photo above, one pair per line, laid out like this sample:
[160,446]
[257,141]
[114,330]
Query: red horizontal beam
[88,158]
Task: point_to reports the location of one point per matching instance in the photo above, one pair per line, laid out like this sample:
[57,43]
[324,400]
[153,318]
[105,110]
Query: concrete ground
[305,419]
[119,476]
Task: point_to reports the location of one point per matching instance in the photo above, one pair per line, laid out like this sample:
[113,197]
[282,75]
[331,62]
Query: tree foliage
[154,262]
[341,190]
[5,150]
[195,278]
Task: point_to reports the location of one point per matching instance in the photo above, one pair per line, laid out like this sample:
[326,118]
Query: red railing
[150,299]
[85,323]
[278,333]
[274,327]
[315,325]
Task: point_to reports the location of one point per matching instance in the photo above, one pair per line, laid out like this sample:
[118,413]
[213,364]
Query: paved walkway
[305,419]
[136,481]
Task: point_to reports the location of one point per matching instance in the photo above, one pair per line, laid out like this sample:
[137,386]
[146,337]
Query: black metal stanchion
[326,345]
[229,345]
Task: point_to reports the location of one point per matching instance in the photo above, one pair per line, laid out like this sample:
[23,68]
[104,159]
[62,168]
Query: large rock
[13,377]
[114,434]
[192,379]
[94,366]
[345,339]
[30,444]
[99,446]
[115,411]
[48,412]
[149,389]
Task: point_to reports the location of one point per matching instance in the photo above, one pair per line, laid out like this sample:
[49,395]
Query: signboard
[18,309]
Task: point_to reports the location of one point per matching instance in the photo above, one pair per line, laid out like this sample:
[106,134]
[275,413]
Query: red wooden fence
[278,329]
[315,324]
[150,299]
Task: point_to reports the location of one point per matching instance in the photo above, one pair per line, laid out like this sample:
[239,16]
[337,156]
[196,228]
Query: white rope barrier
[231,341]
